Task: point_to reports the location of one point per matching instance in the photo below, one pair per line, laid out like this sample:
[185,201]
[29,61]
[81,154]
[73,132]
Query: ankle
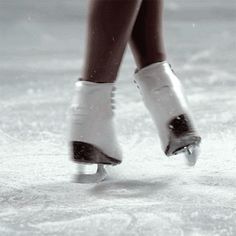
[95,81]
[144,62]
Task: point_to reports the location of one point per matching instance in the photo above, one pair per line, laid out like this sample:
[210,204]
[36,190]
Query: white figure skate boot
[163,96]
[92,132]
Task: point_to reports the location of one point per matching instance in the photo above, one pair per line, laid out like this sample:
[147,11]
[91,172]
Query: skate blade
[191,153]
[97,177]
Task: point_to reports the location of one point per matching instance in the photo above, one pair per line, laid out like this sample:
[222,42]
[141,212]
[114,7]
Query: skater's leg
[160,88]
[110,25]
[92,130]
[147,36]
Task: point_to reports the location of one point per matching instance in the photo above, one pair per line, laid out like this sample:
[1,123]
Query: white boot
[163,96]
[92,132]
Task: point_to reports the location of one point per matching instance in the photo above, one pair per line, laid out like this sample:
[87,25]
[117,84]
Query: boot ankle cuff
[152,66]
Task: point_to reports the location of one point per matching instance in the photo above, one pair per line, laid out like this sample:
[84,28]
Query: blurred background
[37,36]
[42,45]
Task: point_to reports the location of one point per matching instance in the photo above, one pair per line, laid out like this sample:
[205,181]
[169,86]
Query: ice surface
[42,46]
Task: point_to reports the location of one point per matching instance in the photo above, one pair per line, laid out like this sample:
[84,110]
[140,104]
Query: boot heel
[89,154]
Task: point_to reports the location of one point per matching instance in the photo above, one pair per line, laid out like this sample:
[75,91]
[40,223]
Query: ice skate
[92,133]
[163,96]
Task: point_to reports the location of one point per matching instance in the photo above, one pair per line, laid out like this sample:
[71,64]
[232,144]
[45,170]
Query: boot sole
[89,154]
